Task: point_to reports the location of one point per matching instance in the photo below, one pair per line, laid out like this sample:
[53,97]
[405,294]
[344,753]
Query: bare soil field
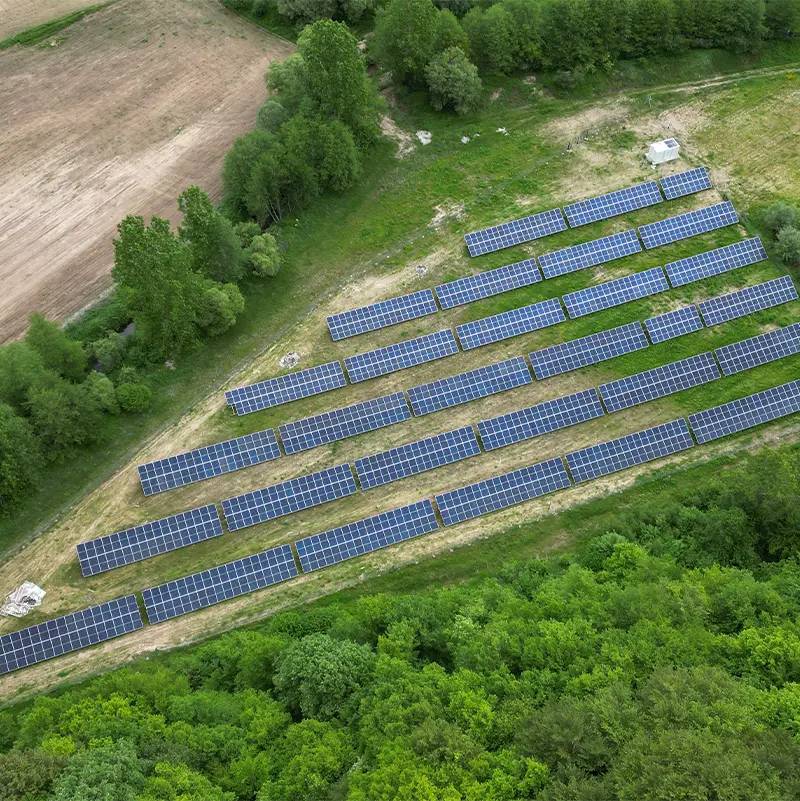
[136,103]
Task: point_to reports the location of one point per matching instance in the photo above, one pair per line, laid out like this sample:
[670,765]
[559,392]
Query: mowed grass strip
[44,31]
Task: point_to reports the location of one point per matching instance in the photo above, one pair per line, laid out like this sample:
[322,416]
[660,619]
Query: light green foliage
[219,308]
[787,245]
[780,215]
[59,353]
[247,231]
[449,33]
[453,81]
[491,38]
[289,80]
[405,38]
[134,397]
[21,367]
[271,116]
[263,255]
[179,783]
[107,772]
[102,388]
[20,460]
[155,267]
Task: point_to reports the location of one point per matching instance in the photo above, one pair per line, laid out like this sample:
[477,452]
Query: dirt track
[138,102]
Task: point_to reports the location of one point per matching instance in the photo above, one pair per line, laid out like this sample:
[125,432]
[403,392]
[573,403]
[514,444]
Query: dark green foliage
[134,397]
[271,116]
[453,81]
[28,773]
[106,772]
[240,162]
[778,216]
[64,416]
[781,17]
[219,308]
[405,38]
[20,459]
[449,33]
[59,353]
[491,37]
[304,12]
[108,352]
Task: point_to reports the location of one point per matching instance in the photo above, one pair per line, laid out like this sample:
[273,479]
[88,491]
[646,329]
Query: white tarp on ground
[26,597]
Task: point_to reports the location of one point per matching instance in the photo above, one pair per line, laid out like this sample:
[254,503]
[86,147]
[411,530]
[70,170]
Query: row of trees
[642,667]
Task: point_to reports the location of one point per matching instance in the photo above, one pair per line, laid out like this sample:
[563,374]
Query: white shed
[666,150]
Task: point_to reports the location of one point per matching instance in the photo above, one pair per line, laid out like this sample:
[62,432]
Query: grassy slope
[44,31]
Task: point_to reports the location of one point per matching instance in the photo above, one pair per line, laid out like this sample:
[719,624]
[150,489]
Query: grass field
[367,246]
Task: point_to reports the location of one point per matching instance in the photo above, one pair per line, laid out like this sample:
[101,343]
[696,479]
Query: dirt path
[138,102]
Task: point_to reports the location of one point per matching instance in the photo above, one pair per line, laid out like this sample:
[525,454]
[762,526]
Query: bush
[220,306]
[261,7]
[264,257]
[453,81]
[134,397]
[237,5]
[108,352]
[271,116]
[787,245]
[780,215]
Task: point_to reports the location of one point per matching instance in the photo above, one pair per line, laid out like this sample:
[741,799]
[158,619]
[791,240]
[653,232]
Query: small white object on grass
[425,137]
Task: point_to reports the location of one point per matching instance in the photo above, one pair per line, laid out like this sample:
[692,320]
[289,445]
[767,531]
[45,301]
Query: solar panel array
[685,183]
[748,300]
[379,315]
[618,454]
[588,350]
[342,423]
[689,224]
[354,539]
[542,418]
[285,388]
[760,349]
[715,262]
[616,292]
[289,496]
[502,491]
[456,389]
[492,282]
[209,587]
[68,633]
[589,254]
[744,413]
[515,232]
[673,324]
[395,357]
[417,457]
[213,460]
[140,542]
[510,324]
[612,204]
[659,382]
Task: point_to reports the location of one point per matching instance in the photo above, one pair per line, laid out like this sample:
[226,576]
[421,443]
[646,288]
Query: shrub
[134,397]
[261,7]
[271,116]
[780,215]
[787,245]
[453,81]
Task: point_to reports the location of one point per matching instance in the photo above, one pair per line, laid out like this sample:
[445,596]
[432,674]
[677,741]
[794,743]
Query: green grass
[44,31]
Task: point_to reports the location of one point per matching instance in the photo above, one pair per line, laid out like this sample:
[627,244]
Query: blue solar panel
[659,382]
[213,460]
[286,388]
[342,423]
[289,496]
[589,254]
[748,300]
[760,349]
[715,262]
[492,282]
[480,383]
[417,457]
[689,224]
[618,454]
[540,419]
[379,315]
[685,183]
[673,324]
[140,542]
[588,350]
[395,357]
[515,232]
[502,491]
[744,413]
[366,536]
[510,324]
[219,584]
[612,204]
[616,292]
[68,633]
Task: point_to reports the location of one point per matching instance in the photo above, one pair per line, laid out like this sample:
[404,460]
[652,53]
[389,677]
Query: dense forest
[661,660]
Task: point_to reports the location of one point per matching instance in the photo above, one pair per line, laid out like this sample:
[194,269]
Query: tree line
[661,660]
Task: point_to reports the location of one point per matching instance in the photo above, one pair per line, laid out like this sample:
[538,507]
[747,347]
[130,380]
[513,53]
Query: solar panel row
[364,536]
[382,314]
[286,388]
[689,224]
[140,542]
[479,383]
[612,204]
[716,262]
[589,254]
[213,460]
[746,301]
[209,587]
[616,292]
[685,183]
[510,324]
[69,633]
[342,423]
[673,324]
[417,457]
[486,284]
[401,355]
[515,232]
[760,349]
